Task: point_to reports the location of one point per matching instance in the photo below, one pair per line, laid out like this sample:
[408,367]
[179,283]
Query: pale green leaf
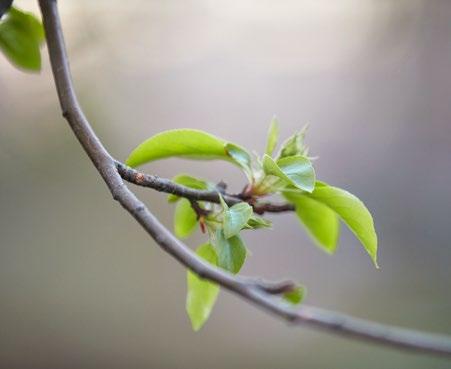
[202,294]
[353,212]
[296,296]
[186,143]
[191,182]
[295,170]
[294,145]
[189,143]
[273,136]
[21,35]
[222,202]
[185,219]
[320,221]
[235,218]
[239,155]
[269,183]
[231,252]
[256,222]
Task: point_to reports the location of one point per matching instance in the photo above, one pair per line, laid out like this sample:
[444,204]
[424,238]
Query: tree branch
[258,292]
[165,185]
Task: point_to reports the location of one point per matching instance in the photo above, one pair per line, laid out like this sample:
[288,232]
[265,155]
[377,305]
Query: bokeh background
[82,286]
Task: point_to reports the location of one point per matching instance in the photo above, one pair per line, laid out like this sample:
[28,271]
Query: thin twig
[268,207]
[166,185]
[253,291]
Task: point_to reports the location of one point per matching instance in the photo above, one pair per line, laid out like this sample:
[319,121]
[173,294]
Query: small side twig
[200,212]
[166,185]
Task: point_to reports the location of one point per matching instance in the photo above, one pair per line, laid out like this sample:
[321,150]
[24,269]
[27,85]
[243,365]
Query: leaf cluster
[288,173]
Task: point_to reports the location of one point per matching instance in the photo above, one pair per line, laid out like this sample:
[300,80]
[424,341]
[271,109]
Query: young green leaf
[294,145]
[202,294]
[21,35]
[351,210]
[224,205]
[240,156]
[186,143]
[235,218]
[320,221]
[273,136]
[296,296]
[295,170]
[231,252]
[256,222]
[191,182]
[185,219]
[269,184]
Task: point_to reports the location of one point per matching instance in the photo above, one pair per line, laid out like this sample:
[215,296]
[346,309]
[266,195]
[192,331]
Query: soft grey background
[82,286]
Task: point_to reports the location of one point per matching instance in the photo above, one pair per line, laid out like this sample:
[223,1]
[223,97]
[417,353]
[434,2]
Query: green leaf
[352,211]
[186,143]
[256,222]
[240,156]
[231,252]
[21,34]
[235,218]
[273,136]
[295,170]
[185,219]
[224,205]
[320,221]
[202,294]
[294,145]
[296,296]
[191,182]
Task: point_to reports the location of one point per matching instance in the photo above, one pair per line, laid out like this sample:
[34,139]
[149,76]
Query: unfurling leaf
[294,170]
[320,221]
[296,296]
[21,35]
[294,145]
[231,252]
[222,202]
[202,294]
[235,218]
[352,211]
[186,143]
[191,182]
[185,219]
[240,156]
[273,136]
[256,222]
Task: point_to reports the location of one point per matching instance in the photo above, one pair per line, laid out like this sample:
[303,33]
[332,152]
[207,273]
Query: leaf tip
[196,326]
[376,265]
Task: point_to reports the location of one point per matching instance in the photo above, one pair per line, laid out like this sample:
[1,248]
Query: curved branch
[257,292]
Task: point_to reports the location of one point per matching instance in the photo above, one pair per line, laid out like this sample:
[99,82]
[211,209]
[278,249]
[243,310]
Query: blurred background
[81,284]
